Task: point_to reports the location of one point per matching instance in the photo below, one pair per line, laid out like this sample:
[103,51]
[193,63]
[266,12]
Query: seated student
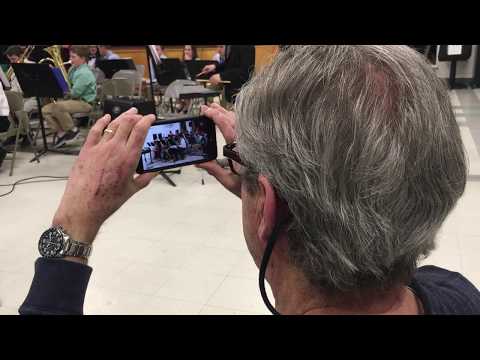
[173,148]
[83,93]
[93,55]
[190,53]
[106,53]
[164,154]
[13,53]
[65,52]
[153,150]
[182,146]
[158,149]
[160,51]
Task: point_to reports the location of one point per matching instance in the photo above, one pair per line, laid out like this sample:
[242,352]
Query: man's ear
[268,213]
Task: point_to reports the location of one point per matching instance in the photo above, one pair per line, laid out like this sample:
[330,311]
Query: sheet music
[454,49]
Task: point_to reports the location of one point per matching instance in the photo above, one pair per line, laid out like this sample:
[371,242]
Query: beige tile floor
[181,250]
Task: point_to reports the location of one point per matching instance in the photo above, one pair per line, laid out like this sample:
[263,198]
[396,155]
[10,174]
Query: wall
[204,52]
[263,54]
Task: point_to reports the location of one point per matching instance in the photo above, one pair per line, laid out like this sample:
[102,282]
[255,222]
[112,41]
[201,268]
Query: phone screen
[176,143]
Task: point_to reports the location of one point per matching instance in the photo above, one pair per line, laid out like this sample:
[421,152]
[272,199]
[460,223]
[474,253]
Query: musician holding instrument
[238,66]
[15,54]
[83,91]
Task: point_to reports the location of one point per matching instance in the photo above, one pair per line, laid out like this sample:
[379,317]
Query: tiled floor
[181,250]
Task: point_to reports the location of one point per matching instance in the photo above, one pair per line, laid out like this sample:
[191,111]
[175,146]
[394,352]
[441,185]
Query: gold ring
[109,131]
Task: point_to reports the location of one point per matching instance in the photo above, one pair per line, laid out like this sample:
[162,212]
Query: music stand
[171,70]
[39,81]
[110,67]
[454,53]
[151,57]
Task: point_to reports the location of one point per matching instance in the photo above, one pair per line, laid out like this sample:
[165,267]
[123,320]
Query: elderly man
[346,167]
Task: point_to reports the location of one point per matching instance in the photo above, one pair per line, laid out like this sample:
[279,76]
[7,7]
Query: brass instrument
[56,59]
[23,57]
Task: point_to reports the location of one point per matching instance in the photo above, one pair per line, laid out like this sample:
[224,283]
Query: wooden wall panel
[263,54]
[138,55]
[204,52]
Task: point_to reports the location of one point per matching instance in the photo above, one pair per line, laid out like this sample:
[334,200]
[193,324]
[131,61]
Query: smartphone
[180,142]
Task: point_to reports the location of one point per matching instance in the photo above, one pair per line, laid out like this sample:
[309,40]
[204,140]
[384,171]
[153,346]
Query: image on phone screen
[176,143]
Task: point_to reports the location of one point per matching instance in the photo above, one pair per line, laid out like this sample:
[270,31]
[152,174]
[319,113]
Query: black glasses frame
[232,155]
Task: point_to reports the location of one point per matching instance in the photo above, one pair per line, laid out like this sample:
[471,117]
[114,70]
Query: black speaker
[118,105]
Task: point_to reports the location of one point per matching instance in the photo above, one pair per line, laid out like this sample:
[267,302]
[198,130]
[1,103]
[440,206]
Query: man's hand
[215,79]
[207,69]
[102,178]
[225,120]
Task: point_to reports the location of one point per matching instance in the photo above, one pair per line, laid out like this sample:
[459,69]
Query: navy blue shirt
[445,292]
[59,288]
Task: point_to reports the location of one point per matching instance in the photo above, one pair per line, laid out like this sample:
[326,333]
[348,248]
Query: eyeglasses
[236,165]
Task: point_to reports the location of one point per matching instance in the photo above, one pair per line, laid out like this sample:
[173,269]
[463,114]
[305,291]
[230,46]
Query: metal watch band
[77,249]
[74,248]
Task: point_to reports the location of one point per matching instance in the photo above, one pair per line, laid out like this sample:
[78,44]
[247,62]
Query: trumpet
[23,57]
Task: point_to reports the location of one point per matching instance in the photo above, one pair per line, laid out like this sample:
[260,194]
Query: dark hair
[81,50]
[14,50]
[194,52]
[97,53]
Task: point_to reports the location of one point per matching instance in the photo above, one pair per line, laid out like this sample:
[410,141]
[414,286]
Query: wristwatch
[56,243]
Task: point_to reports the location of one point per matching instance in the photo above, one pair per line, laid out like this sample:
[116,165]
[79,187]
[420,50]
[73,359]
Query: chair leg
[29,133]
[35,135]
[15,149]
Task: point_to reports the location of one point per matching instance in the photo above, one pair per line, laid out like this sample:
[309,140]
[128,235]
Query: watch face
[51,243]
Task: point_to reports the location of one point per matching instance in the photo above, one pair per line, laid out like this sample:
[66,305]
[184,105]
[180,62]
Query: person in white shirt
[160,49]
[161,55]
[14,53]
[182,146]
[4,108]
[219,56]
[93,56]
[4,111]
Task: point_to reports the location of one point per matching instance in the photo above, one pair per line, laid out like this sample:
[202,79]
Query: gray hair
[362,144]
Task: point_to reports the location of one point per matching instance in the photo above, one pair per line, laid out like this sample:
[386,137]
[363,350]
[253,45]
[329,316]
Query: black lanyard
[263,270]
